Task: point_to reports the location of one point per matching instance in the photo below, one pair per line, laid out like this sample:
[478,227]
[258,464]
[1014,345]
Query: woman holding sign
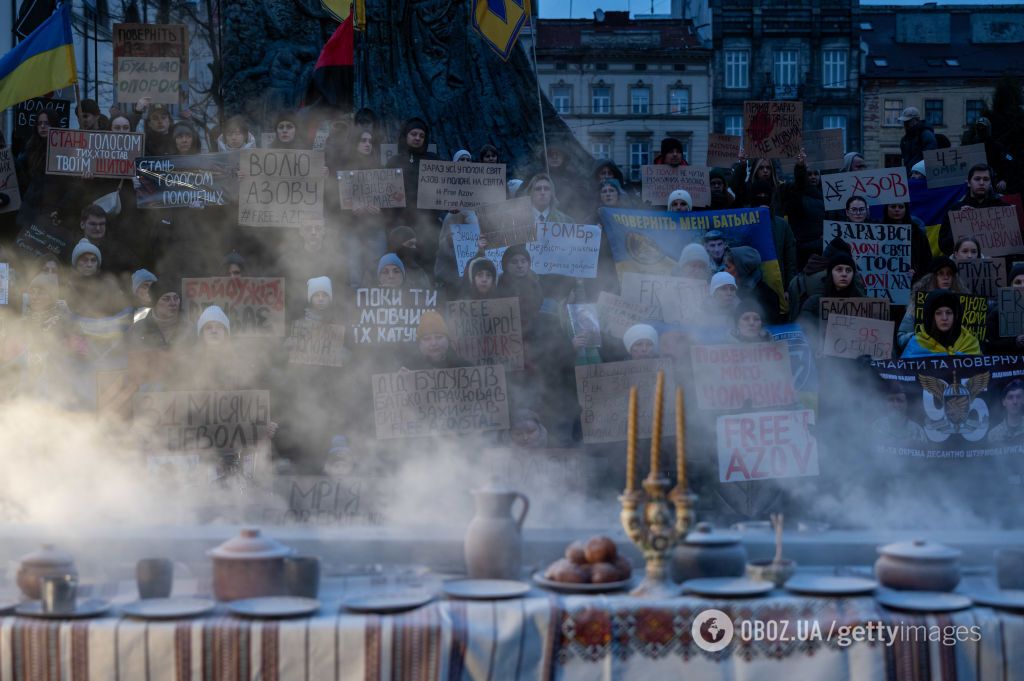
[943,333]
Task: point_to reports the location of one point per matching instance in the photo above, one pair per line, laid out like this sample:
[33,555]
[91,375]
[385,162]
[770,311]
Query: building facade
[807,50]
[944,60]
[623,84]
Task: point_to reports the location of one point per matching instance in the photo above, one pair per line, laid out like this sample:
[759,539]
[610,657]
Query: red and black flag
[334,76]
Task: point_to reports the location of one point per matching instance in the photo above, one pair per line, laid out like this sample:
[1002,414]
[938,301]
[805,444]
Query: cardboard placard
[355,498]
[390,315]
[772,129]
[194,181]
[49,240]
[616,314]
[995,228]
[315,343]
[748,376]
[1011,312]
[948,167]
[975,313]
[254,305]
[440,402]
[9,181]
[824,149]
[508,223]
[603,393]
[677,300]
[853,337]
[210,421]
[882,254]
[464,241]
[103,154]
[868,308]
[164,42]
[487,331]
[25,113]
[450,185]
[158,78]
[878,187]
[382,187]
[5,282]
[984,276]
[766,445]
[723,150]
[658,181]
[281,188]
[565,248]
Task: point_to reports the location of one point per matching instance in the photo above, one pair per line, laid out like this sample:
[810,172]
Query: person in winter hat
[943,332]
[641,341]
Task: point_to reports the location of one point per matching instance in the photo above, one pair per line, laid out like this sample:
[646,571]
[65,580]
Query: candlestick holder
[663,521]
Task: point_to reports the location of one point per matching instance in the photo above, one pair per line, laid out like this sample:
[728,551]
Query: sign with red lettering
[878,187]
[748,376]
[772,129]
[254,305]
[658,181]
[487,331]
[882,255]
[853,337]
[95,153]
[150,60]
[766,445]
[723,150]
[995,228]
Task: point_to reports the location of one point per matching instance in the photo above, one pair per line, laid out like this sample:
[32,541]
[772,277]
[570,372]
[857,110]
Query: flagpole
[540,101]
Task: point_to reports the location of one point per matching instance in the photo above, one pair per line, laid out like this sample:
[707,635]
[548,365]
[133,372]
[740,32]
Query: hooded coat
[750,282]
[409,159]
[805,209]
[527,288]
[931,341]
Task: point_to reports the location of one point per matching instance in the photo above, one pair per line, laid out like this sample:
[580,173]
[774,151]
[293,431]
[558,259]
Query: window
[737,68]
[639,156]
[640,100]
[974,107]
[866,26]
[601,66]
[601,149]
[952,62]
[679,101]
[891,110]
[561,98]
[881,61]
[639,67]
[786,67]
[834,71]
[835,122]
[679,67]
[601,99]
[734,125]
[933,111]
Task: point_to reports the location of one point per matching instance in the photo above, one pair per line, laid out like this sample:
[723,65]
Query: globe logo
[712,630]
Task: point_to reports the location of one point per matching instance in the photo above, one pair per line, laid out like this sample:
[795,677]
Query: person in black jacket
[918,137]
[979,195]
[804,208]
[413,142]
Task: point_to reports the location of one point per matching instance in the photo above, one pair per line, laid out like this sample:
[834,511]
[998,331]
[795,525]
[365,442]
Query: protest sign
[440,402]
[316,343]
[382,188]
[996,229]
[100,153]
[193,181]
[772,129]
[658,181]
[281,188]
[464,241]
[254,305]
[565,248]
[882,254]
[948,167]
[202,420]
[765,445]
[974,308]
[878,187]
[9,182]
[450,185]
[676,300]
[508,223]
[390,315]
[585,323]
[5,282]
[1011,312]
[48,240]
[723,150]
[603,393]
[853,337]
[954,409]
[323,131]
[58,111]
[617,314]
[749,376]
[487,331]
[332,499]
[869,308]
[983,276]
[150,60]
[824,149]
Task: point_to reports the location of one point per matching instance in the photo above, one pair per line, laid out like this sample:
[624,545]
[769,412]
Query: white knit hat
[462,154]
[213,314]
[719,280]
[85,246]
[640,332]
[321,285]
[139,277]
[680,194]
[918,167]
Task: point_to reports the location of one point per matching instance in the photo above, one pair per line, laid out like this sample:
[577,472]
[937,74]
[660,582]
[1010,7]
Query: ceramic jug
[494,540]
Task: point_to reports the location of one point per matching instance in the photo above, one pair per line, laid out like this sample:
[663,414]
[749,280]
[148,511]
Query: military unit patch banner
[499,22]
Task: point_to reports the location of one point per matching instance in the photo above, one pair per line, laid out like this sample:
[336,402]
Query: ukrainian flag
[499,22]
[41,63]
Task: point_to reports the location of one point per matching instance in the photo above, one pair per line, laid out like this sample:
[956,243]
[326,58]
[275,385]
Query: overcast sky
[585,8]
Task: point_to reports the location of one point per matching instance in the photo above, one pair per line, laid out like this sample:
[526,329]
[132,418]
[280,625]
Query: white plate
[168,608]
[828,585]
[1008,599]
[91,607]
[274,606]
[574,588]
[387,603]
[922,601]
[485,589]
[727,586]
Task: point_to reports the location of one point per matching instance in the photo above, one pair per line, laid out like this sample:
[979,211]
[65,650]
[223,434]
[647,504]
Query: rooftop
[616,31]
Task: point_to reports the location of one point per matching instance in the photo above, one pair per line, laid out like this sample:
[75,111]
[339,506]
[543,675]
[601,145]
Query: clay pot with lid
[708,553]
[48,561]
[918,566]
[249,566]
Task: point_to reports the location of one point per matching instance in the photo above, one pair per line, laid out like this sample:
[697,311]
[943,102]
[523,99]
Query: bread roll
[600,550]
[576,553]
[603,573]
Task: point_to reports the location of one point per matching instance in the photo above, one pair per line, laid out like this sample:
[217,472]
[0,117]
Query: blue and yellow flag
[41,63]
[499,22]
